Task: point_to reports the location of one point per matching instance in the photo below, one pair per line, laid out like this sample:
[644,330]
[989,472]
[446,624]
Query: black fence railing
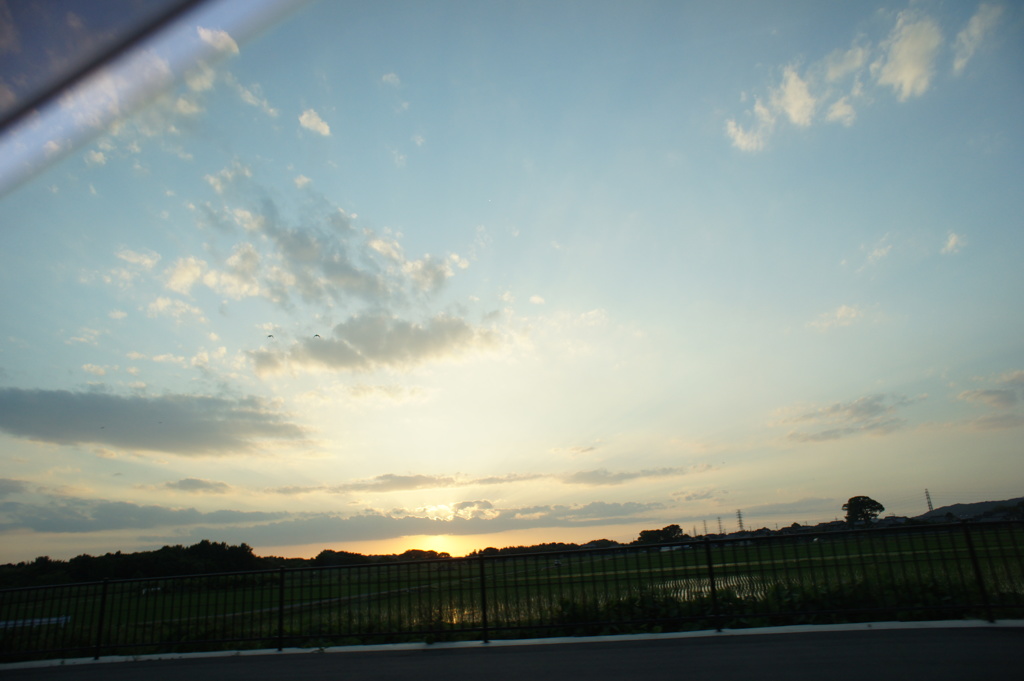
[904,573]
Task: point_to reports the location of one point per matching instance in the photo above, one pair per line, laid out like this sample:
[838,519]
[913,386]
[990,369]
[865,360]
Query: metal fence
[906,573]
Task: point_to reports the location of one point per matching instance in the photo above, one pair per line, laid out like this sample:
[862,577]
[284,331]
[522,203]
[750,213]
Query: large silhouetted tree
[669,533]
[861,509]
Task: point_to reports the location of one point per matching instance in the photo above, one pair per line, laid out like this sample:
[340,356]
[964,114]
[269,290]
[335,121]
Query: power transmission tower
[739,517]
[705,526]
[720,530]
[928,498]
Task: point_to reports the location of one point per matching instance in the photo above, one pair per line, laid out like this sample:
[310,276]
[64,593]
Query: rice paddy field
[919,573]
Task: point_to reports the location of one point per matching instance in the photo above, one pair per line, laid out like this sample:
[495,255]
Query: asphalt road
[930,654]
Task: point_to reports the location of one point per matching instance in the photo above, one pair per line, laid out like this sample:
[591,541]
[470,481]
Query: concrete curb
[504,643]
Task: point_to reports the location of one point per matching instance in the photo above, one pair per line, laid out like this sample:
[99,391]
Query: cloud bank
[906,63]
[186,425]
[872,414]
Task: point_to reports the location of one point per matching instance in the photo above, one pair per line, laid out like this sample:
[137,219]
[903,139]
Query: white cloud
[203,357]
[94,369]
[176,309]
[186,106]
[218,40]
[311,120]
[842,111]
[419,140]
[879,251]
[248,220]
[184,273]
[147,260]
[301,181]
[537,300]
[754,137]
[168,358]
[389,248]
[87,336]
[969,39]
[252,95]
[596,317]
[378,341]
[999,398]
[391,79]
[427,273]
[220,181]
[998,421]
[117,314]
[200,78]
[794,98]
[904,61]
[873,414]
[910,53]
[1012,378]
[840,64]
[95,158]
[954,242]
[239,280]
[844,315]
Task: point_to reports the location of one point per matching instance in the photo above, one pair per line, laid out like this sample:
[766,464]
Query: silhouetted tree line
[202,558]
[206,557]
[210,557]
[1007,511]
[667,534]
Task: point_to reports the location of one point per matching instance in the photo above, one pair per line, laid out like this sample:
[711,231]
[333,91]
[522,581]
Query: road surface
[879,653]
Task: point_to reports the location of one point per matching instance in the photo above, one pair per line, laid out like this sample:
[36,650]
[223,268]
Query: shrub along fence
[906,573]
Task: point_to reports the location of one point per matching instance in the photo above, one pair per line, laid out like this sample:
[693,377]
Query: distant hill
[968,510]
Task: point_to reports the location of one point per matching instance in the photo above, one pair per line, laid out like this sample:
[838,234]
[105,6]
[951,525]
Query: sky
[451,275]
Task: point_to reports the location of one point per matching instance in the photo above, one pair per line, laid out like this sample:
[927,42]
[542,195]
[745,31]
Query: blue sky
[449,275]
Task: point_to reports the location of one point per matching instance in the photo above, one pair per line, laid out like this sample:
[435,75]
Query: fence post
[280,610]
[485,634]
[716,616]
[102,618]
[977,571]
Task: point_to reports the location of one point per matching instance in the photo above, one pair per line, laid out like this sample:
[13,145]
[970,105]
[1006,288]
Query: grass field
[856,576]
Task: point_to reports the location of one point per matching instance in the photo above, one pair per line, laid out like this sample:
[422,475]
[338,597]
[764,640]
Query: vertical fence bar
[484,633]
[716,617]
[986,604]
[280,609]
[1010,557]
[100,618]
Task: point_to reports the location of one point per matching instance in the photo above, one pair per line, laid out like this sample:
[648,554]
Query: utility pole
[739,518]
[928,498]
